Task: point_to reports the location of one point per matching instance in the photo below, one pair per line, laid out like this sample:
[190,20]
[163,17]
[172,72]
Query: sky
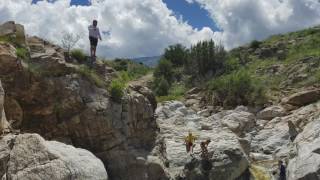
[138,28]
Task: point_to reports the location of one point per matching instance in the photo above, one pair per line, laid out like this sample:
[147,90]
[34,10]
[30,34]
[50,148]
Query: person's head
[94,23]
[190,133]
[280,162]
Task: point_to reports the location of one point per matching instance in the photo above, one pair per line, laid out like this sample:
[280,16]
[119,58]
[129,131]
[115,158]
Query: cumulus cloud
[244,20]
[131,27]
[135,28]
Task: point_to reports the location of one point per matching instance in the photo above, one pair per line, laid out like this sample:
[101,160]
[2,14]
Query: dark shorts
[188,146]
[93,41]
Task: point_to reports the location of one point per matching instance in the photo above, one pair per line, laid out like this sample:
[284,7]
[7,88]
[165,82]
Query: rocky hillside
[70,103]
[50,104]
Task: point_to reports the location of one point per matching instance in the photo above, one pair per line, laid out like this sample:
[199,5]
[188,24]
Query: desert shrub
[165,70]
[79,55]
[91,75]
[116,90]
[22,53]
[176,54]
[161,86]
[255,44]
[176,92]
[137,70]
[10,39]
[238,88]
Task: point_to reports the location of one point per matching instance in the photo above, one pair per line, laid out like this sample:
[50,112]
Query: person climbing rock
[282,171]
[204,148]
[189,142]
[94,35]
[293,132]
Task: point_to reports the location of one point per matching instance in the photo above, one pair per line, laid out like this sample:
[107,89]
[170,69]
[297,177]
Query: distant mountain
[148,61]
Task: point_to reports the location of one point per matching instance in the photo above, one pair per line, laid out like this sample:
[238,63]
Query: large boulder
[7,58]
[271,112]
[225,151]
[7,28]
[239,121]
[303,97]
[306,165]
[29,156]
[13,30]
[274,138]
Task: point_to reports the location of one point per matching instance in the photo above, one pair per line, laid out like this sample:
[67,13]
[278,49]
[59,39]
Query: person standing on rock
[282,171]
[189,142]
[204,148]
[94,35]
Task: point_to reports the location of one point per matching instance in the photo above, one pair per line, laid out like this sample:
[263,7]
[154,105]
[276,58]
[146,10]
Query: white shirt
[94,32]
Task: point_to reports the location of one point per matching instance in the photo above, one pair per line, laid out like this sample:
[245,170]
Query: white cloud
[245,20]
[146,27]
[137,27]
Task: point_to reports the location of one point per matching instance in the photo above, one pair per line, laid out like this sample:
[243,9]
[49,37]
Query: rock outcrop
[306,164]
[4,124]
[271,112]
[29,156]
[225,152]
[14,31]
[303,98]
[70,103]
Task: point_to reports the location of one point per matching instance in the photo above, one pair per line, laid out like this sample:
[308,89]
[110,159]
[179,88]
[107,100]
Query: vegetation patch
[238,88]
[22,53]
[92,76]
[79,55]
[176,92]
[116,90]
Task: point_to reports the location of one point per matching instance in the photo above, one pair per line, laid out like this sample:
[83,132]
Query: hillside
[64,117]
[278,66]
[148,61]
[267,93]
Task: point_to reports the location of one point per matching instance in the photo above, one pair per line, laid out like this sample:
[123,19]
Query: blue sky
[196,16]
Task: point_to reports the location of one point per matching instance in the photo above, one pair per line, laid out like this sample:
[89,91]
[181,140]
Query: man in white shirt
[94,35]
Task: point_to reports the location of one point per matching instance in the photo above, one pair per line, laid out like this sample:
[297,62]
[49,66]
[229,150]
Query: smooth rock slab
[271,112]
[306,165]
[31,157]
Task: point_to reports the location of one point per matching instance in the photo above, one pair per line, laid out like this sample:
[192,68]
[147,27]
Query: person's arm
[99,35]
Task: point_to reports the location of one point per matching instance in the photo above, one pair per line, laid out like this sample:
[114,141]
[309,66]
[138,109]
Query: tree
[206,57]
[161,86]
[176,54]
[165,70]
[69,40]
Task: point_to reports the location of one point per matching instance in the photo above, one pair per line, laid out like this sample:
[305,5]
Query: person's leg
[94,51]
[187,147]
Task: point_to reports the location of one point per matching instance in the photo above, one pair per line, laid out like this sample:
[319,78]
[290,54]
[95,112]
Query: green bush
[116,90]
[161,86]
[165,70]
[238,88]
[8,39]
[22,53]
[176,54]
[79,55]
[137,70]
[91,75]
[255,44]
[176,92]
